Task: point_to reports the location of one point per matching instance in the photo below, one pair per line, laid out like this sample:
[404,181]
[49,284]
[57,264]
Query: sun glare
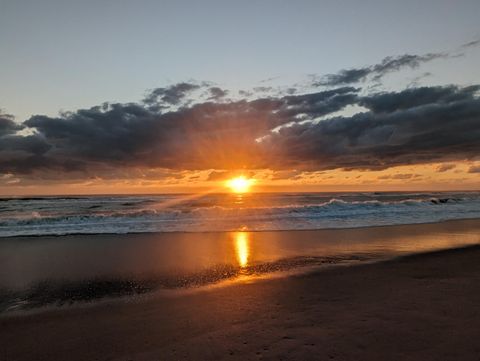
[240,184]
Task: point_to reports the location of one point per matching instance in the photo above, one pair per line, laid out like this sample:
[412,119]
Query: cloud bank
[422,125]
[170,129]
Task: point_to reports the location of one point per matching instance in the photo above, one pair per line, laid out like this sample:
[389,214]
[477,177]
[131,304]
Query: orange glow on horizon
[422,177]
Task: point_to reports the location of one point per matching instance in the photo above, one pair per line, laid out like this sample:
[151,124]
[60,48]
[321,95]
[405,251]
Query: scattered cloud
[445,167]
[217,93]
[474,169]
[471,44]
[416,80]
[215,175]
[172,95]
[376,72]
[399,176]
[286,174]
[263,89]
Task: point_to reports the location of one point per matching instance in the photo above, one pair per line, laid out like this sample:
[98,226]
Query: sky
[153,96]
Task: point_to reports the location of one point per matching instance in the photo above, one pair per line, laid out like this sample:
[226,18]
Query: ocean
[64,250]
[121,214]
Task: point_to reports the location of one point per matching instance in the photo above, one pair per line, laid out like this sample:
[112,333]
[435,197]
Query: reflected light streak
[242,248]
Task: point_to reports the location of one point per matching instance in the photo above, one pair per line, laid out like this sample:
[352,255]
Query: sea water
[120,214]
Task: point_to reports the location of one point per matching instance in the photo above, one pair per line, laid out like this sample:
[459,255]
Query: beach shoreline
[80,269]
[418,306]
[414,307]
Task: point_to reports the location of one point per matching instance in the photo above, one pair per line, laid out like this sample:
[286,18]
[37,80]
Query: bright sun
[239,184]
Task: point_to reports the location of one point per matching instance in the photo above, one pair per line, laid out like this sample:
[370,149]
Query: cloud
[445,167]
[280,133]
[205,135]
[416,80]
[8,125]
[215,175]
[286,174]
[217,93]
[172,95]
[377,71]
[400,176]
[471,44]
[221,175]
[263,89]
[399,129]
[474,169]
[416,97]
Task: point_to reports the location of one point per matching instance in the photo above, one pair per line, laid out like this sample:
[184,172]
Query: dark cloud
[30,144]
[417,125]
[344,76]
[172,95]
[220,135]
[318,104]
[391,64]
[394,132]
[217,93]
[8,125]
[377,71]
[414,97]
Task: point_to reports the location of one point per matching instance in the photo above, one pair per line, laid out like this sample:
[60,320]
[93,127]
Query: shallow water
[36,271]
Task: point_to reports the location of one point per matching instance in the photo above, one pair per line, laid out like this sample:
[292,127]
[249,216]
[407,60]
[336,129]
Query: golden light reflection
[240,184]
[242,248]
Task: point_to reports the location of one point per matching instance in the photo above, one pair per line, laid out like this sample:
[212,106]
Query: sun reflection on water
[238,199]
[242,248]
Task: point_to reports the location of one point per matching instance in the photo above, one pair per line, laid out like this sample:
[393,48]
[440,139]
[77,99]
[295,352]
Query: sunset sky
[179,96]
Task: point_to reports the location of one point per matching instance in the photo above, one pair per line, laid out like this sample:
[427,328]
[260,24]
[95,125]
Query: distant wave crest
[146,215]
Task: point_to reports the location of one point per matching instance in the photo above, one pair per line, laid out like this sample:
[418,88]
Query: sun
[240,184]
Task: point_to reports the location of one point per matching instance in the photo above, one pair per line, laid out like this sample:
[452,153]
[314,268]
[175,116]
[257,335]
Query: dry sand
[422,307]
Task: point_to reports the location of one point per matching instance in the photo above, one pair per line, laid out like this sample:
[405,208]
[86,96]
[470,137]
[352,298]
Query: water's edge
[64,292]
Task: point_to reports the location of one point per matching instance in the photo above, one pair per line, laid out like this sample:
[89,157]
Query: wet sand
[420,307]
[175,259]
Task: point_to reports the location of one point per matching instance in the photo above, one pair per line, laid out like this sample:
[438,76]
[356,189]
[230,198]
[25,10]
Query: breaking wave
[61,216]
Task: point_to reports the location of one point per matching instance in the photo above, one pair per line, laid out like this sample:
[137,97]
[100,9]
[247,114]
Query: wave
[27,199]
[332,213]
[36,217]
[334,203]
